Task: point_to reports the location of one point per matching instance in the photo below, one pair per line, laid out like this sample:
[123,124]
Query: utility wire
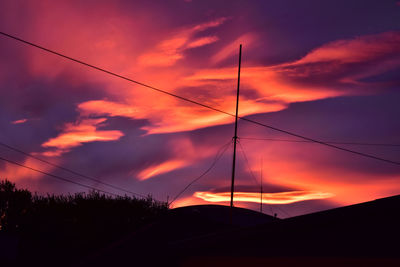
[247,162]
[198,103]
[248,165]
[328,142]
[113,73]
[321,142]
[57,177]
[69,170]
[219,154]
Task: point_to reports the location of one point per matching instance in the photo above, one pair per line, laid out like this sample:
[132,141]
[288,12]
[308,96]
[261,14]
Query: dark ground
[366,234]
[94,230]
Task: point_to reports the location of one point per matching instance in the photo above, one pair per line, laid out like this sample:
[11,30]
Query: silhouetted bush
[70,226]
[14,206]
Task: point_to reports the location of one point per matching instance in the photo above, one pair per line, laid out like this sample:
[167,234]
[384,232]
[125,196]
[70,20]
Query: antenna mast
[261,185]
[235,136]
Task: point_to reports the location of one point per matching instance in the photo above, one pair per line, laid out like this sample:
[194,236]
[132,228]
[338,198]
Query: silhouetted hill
[365,234]
[221,214]
[188,222]
[178,224]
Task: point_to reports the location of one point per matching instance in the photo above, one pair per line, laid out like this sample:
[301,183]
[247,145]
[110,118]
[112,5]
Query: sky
[328,70]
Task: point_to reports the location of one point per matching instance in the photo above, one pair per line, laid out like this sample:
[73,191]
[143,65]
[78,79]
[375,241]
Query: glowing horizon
[267,198]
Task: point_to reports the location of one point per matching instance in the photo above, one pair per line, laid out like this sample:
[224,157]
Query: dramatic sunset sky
[329,70]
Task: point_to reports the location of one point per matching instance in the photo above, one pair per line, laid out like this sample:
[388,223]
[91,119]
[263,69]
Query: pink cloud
[19,121]
[183,118]
[331,65]
[104,107]
[166,53]
[202,41]
[247,40]
[170,50]
[75,134]
[276,86]
[209,24]
[360,49]
[16,173]
[158,169]
[268,198]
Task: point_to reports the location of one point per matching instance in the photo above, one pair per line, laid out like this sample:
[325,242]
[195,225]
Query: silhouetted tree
[70,226]
[14,205]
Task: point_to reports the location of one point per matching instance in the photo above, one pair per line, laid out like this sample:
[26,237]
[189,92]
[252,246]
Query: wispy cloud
[232,48]
[169,51]
[19,121]
[10,171]
[158,169]
[324,72]
[268,198]
[202,41]
[75,134]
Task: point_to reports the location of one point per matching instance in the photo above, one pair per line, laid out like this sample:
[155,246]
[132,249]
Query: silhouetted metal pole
[235,136]
[261,185]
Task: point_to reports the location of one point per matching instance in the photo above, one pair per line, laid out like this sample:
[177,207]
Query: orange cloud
[183,152]
[360,49]
[348,187]
[233,48]
[181,118]
[329,65]
[188,201]
[164,167]
[56,152]
[75,134]
[166,54]
[209,24]
[268,198]
[275,86]
[202,41]
[312,167]
[19,121]
[169,51]
[267,81]
[104,107]
[16,173]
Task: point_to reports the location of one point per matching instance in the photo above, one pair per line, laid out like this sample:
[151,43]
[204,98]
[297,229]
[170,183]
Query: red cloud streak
[268,198]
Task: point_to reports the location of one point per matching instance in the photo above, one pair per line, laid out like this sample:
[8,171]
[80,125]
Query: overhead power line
[57,177]
[114,74]
[322,143]
[219,154]
[247,162]
[328,142]
[198,103]
[257,183]
[70,171]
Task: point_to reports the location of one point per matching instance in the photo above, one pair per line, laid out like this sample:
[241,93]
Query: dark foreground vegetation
[96,230]
[62,229]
